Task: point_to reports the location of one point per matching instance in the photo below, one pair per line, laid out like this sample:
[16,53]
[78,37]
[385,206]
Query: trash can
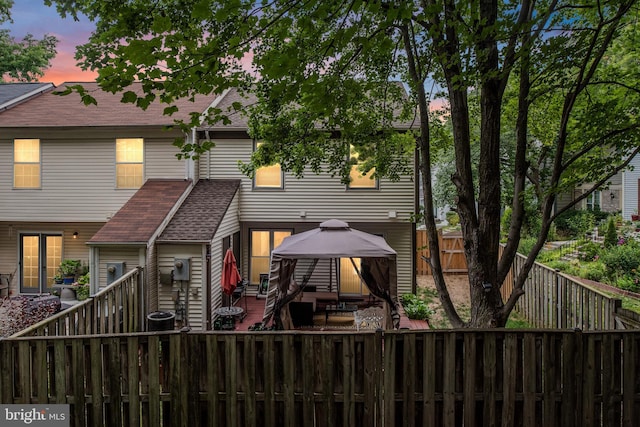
[161,321]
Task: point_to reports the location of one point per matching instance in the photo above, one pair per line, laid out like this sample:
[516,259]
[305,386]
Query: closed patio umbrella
[230,274]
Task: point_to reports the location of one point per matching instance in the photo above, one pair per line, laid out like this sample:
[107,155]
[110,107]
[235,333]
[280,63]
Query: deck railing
[404,378]
[117,308]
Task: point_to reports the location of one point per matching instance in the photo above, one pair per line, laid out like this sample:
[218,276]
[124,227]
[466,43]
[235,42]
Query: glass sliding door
[40,256]
[262,243]
[350,283]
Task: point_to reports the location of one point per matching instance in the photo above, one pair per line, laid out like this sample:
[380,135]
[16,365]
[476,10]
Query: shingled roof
[199,217]
[71,111]
[239,119]
[14,93]
[142,215]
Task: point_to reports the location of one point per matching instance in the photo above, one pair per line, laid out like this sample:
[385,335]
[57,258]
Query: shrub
[525,245]
[575,223]
[415,308]
[452,218]
[596,271]
[622,259]
[590,251]
[610,236]
[628,283]
[505,221]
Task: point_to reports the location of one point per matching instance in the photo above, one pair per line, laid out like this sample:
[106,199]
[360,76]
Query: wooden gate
[451,252]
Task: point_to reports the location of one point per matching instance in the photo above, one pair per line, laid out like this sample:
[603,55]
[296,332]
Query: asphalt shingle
[144,212]
[200,215]
[110,111]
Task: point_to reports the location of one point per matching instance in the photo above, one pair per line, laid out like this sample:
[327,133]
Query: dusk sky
[32,16]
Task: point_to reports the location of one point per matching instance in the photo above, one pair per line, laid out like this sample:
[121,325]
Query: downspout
[206,133]
[189,165]
[207,288]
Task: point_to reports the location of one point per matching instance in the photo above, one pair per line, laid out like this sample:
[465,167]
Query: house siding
[71,248]
[131,256]
[630,189]
[195,310]
[319,196]
[78,173]
[398,235]
[228,226]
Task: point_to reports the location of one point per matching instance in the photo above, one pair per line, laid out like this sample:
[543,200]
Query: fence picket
[440,378]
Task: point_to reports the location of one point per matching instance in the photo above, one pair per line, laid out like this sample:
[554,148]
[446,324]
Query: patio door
[40,256]
[350,283]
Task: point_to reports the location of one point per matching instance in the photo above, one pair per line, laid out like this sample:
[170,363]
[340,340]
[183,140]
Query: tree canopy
[23,60]
[559,77]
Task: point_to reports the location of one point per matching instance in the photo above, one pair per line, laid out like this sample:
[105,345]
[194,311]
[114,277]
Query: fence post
[614,306]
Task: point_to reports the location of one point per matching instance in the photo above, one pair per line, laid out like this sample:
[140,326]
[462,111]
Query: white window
[262,243]
[268,176]
[593,201]
[129,162]
[360,180]
[26,163]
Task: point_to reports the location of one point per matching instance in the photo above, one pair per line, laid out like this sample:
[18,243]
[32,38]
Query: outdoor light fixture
[486,286]
[613,196]
[75,234]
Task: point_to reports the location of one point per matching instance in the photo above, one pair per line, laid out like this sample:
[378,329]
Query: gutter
[9,104]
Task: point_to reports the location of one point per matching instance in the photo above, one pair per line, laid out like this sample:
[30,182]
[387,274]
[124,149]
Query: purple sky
[32,16]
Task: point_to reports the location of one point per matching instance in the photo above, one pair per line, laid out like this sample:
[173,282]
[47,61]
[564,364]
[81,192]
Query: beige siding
[131,256]
[78,173]
[319,196]
[190,291]
[71,248]
[228,226]
[398,236]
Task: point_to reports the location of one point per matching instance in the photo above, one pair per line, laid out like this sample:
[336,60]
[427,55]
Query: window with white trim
[268,176]
[26,163]
[360,180]
[261,245]
[129,162]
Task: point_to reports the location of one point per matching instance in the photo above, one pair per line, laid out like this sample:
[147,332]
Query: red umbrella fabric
[230,274]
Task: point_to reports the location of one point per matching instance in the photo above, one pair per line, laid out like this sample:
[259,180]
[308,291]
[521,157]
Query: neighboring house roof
[71,111]
[199,217]
[14,93]
[239,118]
[139,219]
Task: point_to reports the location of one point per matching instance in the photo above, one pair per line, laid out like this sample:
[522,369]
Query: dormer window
[26,163]
[129,162]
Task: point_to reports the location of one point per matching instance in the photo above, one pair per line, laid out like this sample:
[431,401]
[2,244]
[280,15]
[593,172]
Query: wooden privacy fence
[451,252]
[403,378]
[555,300]
[117,308]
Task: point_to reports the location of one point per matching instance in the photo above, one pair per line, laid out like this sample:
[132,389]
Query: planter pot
[68,280]
[635,217]
[67,292]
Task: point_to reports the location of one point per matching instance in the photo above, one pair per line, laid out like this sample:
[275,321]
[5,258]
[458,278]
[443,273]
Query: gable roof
[239,119]
[14,93]
[139,219]
[70,111]
[199,217]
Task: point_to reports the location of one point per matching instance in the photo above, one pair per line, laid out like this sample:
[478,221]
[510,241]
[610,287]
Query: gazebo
[331,240]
